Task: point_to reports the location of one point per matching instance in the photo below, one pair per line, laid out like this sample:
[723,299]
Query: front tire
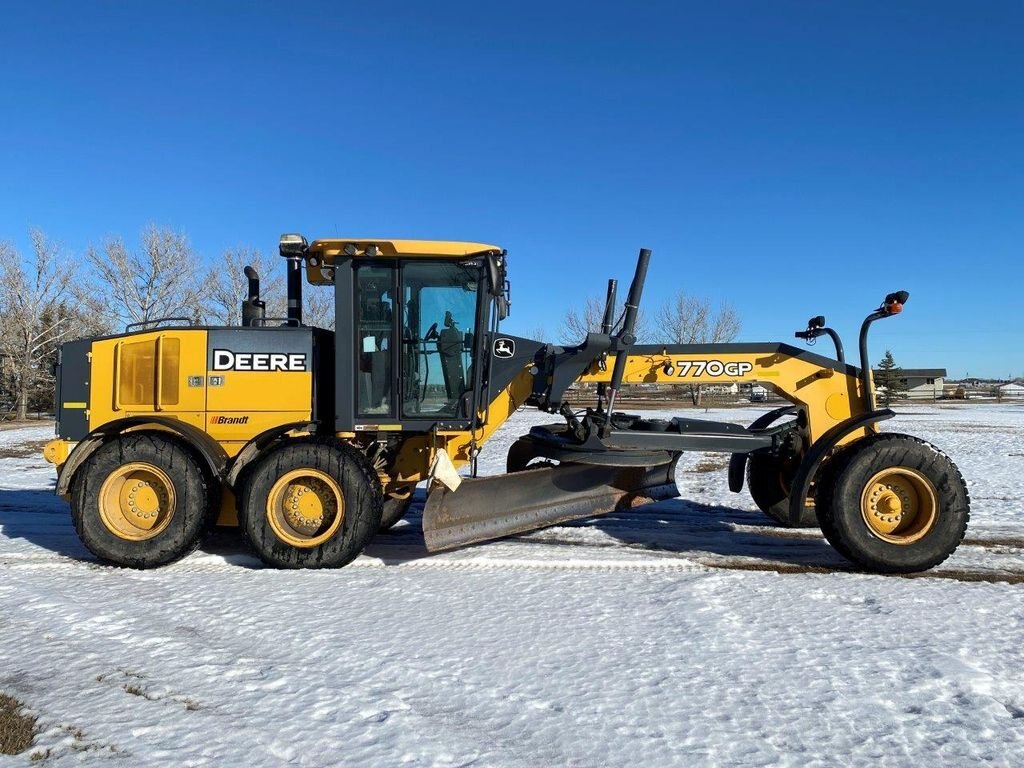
[310,504]
[894,504]
[769,479]
[140,501]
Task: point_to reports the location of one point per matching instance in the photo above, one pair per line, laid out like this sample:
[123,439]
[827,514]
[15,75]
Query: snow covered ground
[689,632]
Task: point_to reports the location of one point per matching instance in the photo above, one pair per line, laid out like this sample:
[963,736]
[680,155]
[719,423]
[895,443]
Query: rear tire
[140,501]
[769,480]
[894,504]
[310,504]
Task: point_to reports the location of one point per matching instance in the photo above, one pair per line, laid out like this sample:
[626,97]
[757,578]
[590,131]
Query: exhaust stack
[253,309]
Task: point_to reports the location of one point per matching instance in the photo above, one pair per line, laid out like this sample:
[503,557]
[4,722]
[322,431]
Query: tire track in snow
[664,562]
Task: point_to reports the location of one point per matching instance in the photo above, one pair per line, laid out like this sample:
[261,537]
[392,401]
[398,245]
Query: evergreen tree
[890,385]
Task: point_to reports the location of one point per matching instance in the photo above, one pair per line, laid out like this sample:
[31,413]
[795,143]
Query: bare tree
[37,313]
[160,279]
[578,322]
[692,320]
[227,286]
[318,306]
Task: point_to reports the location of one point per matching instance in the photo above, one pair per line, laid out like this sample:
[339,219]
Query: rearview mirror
[496,273]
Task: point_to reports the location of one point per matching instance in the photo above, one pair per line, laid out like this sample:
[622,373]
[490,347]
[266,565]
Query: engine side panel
[257,378]
[232,383]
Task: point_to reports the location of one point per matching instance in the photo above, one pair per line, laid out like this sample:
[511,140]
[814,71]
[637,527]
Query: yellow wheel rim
[899,505]
[305,507]
[137,501]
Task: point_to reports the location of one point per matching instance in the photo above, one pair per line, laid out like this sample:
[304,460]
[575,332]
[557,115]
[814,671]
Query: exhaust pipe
[253,309]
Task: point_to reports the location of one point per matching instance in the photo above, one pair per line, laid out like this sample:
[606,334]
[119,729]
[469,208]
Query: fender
[738,462]
[210,450]
[256,446]
[818,451]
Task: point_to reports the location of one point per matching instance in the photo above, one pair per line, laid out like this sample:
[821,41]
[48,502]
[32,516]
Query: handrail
[145,323]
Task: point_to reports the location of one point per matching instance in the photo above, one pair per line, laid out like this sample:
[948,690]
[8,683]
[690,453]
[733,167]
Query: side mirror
[495,265]
[497,282]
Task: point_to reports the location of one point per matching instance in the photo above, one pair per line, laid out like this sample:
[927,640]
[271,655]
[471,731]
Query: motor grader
[313,440]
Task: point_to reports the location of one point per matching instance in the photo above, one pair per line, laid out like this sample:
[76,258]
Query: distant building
[1010,391]
[921,383]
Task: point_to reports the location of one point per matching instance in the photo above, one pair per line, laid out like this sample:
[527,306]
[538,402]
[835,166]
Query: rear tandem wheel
[140,501]
[893,504]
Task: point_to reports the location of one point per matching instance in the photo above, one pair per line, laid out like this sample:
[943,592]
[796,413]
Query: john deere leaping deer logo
[504,348]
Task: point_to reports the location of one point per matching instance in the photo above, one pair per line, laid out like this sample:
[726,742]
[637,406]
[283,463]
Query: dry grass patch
[711,464]
[17,730]
[999,544]
[984,577]
[6,424]
[23,451]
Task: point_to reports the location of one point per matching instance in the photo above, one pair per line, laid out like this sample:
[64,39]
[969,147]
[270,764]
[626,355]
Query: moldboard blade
[488,508]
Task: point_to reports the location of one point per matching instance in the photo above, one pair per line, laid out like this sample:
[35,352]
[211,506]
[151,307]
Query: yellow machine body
[146,378]
[228,397]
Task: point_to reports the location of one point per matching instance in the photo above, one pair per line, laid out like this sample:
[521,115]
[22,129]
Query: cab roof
[321,254]
[409,248]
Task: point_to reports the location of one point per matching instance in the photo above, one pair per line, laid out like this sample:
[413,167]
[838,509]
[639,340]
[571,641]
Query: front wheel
[894,504]
[310,504]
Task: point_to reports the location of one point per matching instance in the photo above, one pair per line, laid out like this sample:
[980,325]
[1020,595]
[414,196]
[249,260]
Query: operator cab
[411,317]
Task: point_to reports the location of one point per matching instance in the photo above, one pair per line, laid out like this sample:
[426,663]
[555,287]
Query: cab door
[440,307]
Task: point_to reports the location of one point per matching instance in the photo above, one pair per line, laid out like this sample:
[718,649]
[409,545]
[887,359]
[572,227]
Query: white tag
[443,471]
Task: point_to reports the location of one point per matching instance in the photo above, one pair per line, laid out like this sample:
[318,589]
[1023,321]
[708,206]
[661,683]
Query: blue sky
[792,158]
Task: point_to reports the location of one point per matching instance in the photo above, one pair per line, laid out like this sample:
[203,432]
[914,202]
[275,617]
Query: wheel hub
[899,505]
[307,504]
[136,501]
[305,507]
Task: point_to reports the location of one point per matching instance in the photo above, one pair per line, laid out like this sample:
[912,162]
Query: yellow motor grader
[314,440]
